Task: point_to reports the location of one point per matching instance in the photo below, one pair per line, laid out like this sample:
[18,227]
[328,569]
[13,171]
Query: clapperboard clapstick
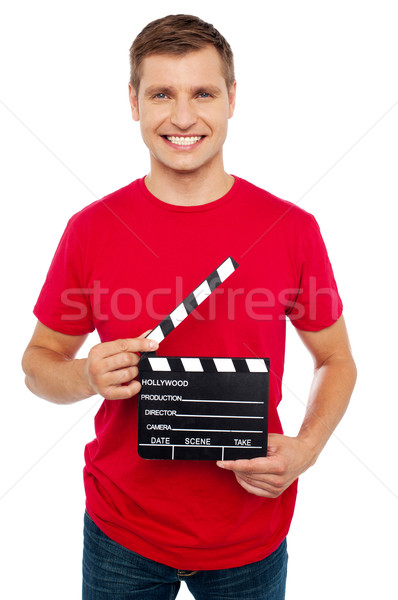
[201,408]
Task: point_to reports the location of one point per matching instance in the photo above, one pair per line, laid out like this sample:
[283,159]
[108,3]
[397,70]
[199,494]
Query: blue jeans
[112,572]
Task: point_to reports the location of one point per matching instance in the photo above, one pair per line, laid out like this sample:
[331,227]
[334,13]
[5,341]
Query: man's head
[183,93]
[178,35]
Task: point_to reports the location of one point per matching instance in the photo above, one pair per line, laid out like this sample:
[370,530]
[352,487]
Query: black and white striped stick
[193,300]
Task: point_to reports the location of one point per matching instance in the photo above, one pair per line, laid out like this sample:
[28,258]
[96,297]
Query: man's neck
[188,189]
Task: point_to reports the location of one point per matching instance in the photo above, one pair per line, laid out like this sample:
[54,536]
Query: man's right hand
[53,372]
[112,367]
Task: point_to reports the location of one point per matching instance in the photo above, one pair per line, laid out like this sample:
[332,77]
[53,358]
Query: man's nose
[183,114]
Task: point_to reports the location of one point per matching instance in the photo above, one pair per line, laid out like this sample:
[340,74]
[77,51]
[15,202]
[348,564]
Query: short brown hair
[178,35]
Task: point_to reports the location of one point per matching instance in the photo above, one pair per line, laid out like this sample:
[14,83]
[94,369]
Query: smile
[183,141]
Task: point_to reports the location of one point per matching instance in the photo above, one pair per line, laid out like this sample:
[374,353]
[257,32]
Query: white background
[316,123]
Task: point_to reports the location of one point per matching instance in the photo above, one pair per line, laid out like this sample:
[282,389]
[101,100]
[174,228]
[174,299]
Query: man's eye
[160,95]
[204,95]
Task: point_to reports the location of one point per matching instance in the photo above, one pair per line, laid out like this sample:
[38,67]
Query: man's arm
[53,373]
[331,389]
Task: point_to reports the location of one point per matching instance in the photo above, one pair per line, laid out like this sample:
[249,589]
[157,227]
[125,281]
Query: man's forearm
[55,377]
[329,396]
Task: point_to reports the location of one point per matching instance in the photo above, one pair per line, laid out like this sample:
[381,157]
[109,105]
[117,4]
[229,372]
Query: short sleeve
[317,303]
[64,301]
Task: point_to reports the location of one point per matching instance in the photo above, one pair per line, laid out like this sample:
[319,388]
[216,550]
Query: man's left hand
[269,476]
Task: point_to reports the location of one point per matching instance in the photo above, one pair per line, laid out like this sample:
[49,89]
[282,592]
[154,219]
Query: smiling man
[122,265]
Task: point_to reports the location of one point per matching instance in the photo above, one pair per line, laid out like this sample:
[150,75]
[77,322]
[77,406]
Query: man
[122,265]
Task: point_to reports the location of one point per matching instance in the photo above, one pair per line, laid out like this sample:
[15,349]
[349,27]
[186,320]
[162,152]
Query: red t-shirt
[122,265]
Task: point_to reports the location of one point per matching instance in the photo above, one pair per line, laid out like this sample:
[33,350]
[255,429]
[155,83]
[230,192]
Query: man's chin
[181,168]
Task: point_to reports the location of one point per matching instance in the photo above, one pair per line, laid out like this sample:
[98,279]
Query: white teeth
[184,141]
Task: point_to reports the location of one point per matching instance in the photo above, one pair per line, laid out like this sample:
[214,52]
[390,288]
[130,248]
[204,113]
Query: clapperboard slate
[201,408]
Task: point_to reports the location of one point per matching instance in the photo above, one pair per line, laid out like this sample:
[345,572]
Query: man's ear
[231,99]
[133,103]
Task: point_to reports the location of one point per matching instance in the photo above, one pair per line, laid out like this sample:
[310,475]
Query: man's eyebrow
[209,89]
[158,89]
[169,91]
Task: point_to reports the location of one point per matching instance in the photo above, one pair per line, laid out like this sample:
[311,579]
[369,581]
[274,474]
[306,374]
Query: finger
[116,378]
[265,486]
[124,360]
[143,335]
[234,465]
[141,344]
[107,349]
[272,481]
[264,492]
[269,483]
[122,392]
[253,465]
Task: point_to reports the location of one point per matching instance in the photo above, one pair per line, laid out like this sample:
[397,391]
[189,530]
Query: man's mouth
[183,140]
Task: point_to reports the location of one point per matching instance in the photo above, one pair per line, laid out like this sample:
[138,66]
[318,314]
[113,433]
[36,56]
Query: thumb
[143,335]
[153,343]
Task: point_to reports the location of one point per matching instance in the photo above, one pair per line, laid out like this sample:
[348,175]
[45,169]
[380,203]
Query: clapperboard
[201,408]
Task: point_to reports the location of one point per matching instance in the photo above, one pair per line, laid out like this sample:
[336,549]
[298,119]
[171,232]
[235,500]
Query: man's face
[183,106]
